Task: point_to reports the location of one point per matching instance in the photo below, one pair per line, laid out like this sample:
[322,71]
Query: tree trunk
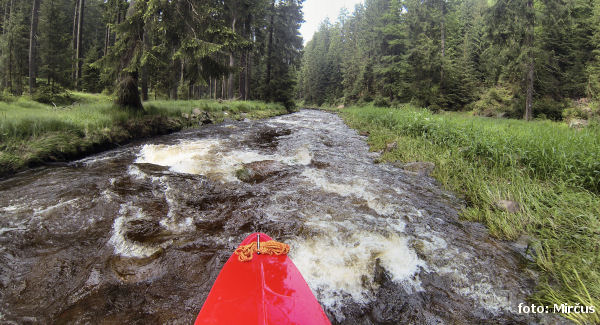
[443,40]
[241,76]
[35,12]
[75,16]
[231,65]
[270,51]
[10,49]
[144,69]
[530,64]
[118,19]
[106,39]
[223,88]
[248,75]
[79,51]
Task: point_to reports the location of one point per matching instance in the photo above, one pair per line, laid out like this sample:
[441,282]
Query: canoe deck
[268,289]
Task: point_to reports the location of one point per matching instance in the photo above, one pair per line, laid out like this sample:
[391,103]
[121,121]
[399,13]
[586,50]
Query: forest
[169,49]
[504,58]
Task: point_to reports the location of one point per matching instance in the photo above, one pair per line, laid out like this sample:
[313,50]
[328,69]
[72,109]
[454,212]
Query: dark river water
[139,234]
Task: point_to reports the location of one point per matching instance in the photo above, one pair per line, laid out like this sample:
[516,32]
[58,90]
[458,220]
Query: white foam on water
[336,266]
[134,171]
[40,211]
[13,208]
[5,230]
[122,246]
[357,188]
[185,157]
[207,157]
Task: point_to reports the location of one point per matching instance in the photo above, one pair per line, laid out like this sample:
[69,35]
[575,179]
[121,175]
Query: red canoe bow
[268,289]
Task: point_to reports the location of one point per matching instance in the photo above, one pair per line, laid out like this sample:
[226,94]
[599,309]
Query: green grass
[550,169]
[32,133]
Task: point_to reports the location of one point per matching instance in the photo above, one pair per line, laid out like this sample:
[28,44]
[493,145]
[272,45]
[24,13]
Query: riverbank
[551,173]
[32,133]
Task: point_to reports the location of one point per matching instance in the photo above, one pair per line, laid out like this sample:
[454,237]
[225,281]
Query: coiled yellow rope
[271,247]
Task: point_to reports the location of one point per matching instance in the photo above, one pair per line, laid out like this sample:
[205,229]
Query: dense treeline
[504,57]
[227,49]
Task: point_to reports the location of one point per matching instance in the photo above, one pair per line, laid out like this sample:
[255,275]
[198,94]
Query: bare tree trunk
[106,39]
[248,74]
[443,36]
[35,14]
[223,88]
[530,64]
[270,51]
[9,82]
[75,16]
[79,51]
[241,76]
[231,65]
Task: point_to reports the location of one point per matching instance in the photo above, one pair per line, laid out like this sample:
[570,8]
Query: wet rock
[270,137]
[258,171]
[205,119]
[507,206]
[391,146]
[423,168]
[142,230]
[319,164]
[196,112]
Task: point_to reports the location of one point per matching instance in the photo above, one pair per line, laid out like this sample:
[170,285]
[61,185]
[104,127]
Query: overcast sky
[315,12]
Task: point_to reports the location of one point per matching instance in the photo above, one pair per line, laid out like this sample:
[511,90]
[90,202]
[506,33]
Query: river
[137,235]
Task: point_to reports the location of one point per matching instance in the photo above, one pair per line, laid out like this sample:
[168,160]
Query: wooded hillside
[497,57]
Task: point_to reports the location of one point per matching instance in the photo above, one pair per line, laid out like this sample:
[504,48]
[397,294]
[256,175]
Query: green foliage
[381,101]
[489,160]
[52,95]
[495,102]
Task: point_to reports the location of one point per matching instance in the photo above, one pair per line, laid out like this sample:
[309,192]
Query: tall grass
[551,170]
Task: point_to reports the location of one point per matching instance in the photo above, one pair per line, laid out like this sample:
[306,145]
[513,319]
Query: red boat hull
[268,289]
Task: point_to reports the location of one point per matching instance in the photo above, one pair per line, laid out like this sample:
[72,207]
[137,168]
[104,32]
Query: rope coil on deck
[245,253]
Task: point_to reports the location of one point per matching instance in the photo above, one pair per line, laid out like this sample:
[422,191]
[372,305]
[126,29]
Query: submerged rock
[142,230]
[258,171]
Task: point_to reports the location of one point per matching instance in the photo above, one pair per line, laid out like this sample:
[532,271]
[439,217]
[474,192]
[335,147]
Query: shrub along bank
[549,169]
[32,133]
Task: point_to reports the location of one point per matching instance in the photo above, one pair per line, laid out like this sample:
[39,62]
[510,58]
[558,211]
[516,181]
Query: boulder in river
[258,171]
[142,230]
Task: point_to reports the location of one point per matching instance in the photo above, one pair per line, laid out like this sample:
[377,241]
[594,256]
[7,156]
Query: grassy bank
[32,133]
[552,171]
